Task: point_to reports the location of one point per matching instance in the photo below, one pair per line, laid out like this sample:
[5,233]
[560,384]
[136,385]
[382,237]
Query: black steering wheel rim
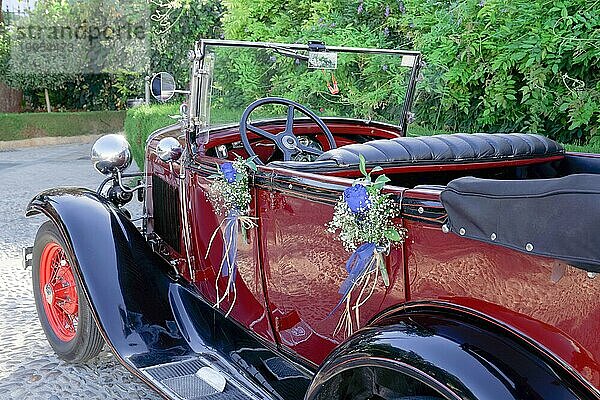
[286,141]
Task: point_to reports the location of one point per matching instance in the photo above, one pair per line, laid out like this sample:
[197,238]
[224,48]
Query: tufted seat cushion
[460,147]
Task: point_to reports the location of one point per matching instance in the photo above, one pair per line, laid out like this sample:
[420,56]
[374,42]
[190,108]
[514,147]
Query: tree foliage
[492,65]
[78,85]
[175,27]
[371,86]
[511,66]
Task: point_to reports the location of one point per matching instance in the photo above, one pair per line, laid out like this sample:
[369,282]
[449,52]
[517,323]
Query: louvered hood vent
[166,215]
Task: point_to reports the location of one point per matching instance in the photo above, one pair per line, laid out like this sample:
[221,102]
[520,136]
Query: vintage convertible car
[361,263]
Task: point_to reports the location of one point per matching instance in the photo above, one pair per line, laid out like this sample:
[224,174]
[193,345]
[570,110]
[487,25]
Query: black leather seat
[438,149]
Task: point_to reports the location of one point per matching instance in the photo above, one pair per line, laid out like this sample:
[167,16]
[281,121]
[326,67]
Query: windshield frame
[201,76]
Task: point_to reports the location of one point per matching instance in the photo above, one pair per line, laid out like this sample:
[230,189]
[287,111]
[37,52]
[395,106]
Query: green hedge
[142,121]
[32,125]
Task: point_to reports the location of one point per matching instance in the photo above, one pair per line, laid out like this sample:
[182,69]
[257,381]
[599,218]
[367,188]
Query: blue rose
[357,198]
[229,172]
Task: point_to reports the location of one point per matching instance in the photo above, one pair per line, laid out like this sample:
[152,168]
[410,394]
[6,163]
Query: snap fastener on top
[528,247]
[445,228]
[493,236]
[421,210]
[462,231]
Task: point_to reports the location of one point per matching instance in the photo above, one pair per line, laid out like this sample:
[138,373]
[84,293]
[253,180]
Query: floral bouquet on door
[364,217]
[230,196]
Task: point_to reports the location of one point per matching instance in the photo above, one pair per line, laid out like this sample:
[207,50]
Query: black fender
[147,314]
[124,281]
[460,356]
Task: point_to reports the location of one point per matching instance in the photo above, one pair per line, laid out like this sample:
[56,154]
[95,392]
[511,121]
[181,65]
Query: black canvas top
[558,218]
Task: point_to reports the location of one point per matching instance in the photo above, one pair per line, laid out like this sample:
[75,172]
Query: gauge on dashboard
[308,142]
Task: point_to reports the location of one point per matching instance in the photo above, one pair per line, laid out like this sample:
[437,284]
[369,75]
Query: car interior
[331,146]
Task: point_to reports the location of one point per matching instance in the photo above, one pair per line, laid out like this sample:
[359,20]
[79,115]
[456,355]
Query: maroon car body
[283,260]
[290,267]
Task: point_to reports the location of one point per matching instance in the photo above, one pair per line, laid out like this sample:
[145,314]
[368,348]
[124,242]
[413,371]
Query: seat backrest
[431,150]
[459,147]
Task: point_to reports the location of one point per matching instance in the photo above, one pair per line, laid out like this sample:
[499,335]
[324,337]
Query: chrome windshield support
[200,93]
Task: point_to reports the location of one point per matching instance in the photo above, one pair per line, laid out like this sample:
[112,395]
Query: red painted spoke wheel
[63,310]
[59,292]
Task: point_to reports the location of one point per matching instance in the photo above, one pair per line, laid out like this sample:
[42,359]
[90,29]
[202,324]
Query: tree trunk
[10,99]
[47,96]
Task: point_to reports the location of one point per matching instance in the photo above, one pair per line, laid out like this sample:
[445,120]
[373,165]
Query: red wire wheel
[63,310]
[59,292]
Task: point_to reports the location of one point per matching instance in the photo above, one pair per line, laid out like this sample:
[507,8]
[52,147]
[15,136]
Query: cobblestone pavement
[28,367]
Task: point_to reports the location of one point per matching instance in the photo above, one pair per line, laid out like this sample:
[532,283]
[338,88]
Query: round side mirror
[111,153]
[162,86]
[169,149]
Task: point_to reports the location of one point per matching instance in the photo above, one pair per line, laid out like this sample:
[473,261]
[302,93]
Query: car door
[304,265]
[248,303]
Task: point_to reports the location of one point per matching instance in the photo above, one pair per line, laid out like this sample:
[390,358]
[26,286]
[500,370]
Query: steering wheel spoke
[288,153]
[261,132]
[309,150]
[289,122]
[286,141]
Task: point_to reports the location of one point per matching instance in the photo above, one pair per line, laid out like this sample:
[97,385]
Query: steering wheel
[286,141]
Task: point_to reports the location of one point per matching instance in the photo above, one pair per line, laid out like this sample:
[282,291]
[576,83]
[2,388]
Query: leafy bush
[141,121]
[492,65]
[31,125]
[510,66]
[371,86]
[176,26]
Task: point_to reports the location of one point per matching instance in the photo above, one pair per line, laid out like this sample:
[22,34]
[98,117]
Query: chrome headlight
[111,153]
[169,149]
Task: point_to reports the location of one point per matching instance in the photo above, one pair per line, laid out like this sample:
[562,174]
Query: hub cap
[49,293]
[57,285]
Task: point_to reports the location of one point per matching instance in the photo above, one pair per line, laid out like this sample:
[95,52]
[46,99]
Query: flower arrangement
[229,194]
[229,187]
[364,218]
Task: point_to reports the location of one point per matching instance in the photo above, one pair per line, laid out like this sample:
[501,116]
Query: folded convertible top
[558,218]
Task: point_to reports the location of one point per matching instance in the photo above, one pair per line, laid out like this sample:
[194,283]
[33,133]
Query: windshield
[365,84]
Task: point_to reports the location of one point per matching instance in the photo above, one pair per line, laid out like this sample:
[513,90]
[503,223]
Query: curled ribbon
[367,260]
[228,268]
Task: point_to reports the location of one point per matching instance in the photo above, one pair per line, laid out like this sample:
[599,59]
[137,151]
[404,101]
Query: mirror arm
[125,188]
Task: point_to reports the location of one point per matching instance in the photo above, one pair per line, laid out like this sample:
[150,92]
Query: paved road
[28,367]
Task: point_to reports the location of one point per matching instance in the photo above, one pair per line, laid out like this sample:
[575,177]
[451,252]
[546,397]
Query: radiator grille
[166,216]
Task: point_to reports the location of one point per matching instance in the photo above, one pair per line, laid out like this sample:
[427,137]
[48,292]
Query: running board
[182,380]
[219,360]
